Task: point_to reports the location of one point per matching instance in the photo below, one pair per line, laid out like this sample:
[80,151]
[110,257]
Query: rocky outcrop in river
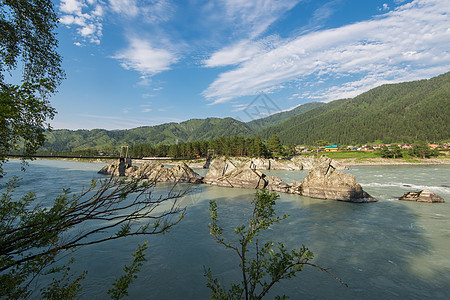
[325,182]
[156,171]
[422,196]
[224,172]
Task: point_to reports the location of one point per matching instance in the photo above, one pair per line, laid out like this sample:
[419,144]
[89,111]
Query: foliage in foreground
[32,236]
[269,264]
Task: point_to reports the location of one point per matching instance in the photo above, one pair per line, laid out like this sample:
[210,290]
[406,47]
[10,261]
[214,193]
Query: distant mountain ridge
[168,133]
[402,112]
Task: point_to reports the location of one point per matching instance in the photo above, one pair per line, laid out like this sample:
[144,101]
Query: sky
[132,63]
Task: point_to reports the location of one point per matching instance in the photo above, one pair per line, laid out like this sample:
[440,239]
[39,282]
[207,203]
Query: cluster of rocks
[323,180]
[294,164]
[224,172]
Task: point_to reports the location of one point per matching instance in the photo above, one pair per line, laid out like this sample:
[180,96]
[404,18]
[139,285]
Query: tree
[386,153]
[28,40]
[321,143]
[420,149]
[396,151]
[268,265]
[274,145]
[31,237]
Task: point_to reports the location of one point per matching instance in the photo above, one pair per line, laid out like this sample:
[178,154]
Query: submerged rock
[422,196]
[325,182]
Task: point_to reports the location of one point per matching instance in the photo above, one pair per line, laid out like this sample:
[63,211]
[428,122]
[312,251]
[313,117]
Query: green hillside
[404,112]
[277,118]
[169,133]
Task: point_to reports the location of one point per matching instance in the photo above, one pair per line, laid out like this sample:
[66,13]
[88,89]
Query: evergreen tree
[274,146]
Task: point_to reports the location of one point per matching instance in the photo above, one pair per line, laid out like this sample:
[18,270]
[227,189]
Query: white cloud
[405,43]
[85,15]
[142,57]
[71,6]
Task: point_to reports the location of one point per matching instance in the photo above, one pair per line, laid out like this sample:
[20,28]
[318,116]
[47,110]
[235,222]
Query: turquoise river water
[390,249]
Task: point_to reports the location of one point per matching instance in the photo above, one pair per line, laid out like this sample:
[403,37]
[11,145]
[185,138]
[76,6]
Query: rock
[296,187]
[224,172]
[325,182]
[422,196]
[307,162]
[284,164]
[156,171]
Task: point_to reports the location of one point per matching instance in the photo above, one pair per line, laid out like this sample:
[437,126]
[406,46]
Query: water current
[390,249]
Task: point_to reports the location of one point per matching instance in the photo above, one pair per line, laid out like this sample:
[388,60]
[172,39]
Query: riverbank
[393,162]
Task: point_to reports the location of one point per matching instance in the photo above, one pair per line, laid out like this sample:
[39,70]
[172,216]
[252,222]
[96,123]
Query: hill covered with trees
[277,118]
[168,133]
[403,112]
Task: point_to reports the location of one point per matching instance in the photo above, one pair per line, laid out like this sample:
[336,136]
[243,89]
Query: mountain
[277,118]
[402,112]
[169,133]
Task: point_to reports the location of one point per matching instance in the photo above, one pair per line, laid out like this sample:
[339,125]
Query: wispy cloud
[147,11]
[142,57]
[250,20]
[241,51]
[252,17]
[404,44]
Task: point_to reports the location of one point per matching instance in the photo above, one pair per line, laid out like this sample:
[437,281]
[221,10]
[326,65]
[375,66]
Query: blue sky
[133,63]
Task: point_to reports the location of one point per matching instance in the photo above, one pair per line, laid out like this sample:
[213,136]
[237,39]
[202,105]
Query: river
[390,249]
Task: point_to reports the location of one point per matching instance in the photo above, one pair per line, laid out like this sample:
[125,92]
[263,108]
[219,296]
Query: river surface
[390,249]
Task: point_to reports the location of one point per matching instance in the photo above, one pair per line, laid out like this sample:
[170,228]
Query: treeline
[228,146]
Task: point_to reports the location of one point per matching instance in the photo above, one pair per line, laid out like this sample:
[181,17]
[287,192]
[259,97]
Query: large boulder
[422,196]
[325,182]
[244,174]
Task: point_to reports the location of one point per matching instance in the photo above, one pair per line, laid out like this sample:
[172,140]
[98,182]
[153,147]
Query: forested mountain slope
[403,112]
[169,133]
[277,118]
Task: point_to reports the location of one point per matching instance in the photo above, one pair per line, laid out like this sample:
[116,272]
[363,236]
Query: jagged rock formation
[294,164]
[224,172]
[422,196]
[325,182]
[156,171]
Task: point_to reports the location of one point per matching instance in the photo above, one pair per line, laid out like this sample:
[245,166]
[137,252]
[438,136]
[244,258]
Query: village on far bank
[366,148]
